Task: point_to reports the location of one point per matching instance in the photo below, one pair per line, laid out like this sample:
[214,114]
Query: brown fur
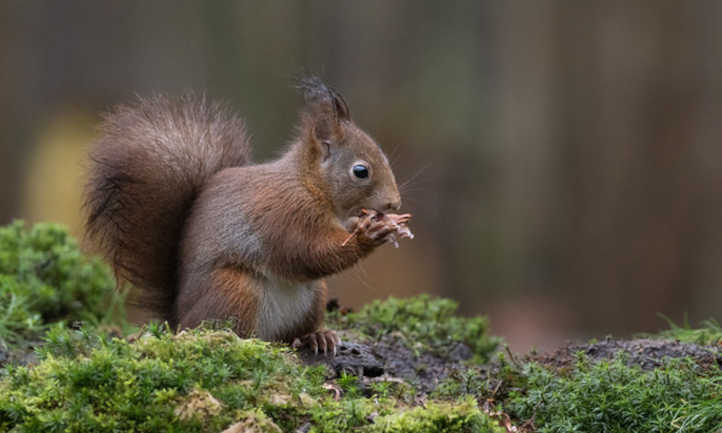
[220,239]
[228,293]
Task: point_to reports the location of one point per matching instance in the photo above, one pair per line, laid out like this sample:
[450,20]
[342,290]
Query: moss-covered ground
[408,365]
[203,380]
[45,279]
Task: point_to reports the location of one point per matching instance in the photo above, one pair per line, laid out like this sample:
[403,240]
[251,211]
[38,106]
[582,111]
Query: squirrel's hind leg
[229,294]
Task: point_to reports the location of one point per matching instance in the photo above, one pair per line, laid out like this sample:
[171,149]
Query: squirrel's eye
[360,171]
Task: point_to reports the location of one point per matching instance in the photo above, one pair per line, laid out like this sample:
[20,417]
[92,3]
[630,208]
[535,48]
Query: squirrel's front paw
[323,339]
[383,228]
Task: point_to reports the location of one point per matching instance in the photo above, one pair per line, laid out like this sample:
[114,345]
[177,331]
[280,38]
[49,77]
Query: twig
[351,236]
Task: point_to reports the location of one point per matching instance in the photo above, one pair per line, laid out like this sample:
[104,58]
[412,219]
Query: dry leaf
[198,404]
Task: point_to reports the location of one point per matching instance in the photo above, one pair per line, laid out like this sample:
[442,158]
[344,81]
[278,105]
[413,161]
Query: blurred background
[563,158]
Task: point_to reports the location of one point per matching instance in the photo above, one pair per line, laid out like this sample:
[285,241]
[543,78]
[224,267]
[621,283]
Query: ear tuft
[316,92]
[324,111]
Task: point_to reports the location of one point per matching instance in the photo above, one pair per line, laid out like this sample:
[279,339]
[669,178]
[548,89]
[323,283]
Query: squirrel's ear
[325,109]
[339,104]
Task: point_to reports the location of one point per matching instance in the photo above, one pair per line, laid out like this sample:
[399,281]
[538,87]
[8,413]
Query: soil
[23,355]
[391,359]
[645,353]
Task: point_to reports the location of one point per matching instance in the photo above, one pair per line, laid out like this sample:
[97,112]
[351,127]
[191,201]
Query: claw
[336,342]
[314,343]
[332,340]
[325,340]
[403,219]
[322,340]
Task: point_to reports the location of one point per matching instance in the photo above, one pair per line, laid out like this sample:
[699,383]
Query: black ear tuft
[311,87]
[317,94]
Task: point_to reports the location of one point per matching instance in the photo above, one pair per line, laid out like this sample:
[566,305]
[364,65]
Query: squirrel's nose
[394,205]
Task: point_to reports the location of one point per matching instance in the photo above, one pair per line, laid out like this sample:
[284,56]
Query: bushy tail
[145,171]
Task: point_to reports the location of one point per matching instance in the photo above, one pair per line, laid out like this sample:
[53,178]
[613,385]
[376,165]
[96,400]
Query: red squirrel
[204,234]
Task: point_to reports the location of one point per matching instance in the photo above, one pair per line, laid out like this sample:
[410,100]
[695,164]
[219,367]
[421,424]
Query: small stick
[353,233]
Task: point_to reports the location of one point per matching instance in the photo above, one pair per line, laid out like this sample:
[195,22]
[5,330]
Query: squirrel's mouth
[364,212]
[351,218]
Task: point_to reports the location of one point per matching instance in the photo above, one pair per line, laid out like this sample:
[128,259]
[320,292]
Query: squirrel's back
[146,169]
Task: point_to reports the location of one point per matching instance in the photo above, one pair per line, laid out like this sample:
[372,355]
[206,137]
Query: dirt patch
[23,355]
[390,358]
[645,353]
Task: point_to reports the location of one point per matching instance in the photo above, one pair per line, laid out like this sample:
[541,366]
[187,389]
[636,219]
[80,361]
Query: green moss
[460,416]
[425,323]
[612,397]
[255,421]
[709,333]
[158,383]
[471,381]
[44,278]
[201,380]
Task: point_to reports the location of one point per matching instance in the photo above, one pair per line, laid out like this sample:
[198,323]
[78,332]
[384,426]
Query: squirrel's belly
[282,308]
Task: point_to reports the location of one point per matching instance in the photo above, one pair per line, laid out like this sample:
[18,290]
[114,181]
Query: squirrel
[180,211]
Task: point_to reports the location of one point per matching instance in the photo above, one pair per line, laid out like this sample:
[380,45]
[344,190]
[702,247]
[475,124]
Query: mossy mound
[613,396]
[203,380]
[418,340]
[44,278]
[421,323]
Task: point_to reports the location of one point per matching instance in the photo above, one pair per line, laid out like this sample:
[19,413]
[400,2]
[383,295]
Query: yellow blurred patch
[54,180]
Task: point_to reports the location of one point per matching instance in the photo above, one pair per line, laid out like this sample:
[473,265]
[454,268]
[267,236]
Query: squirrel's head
[353,169]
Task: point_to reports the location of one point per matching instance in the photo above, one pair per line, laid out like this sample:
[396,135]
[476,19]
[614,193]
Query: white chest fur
[282,307]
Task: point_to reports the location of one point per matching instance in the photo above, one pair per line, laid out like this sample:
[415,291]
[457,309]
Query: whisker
[411,189]
[411,198]
[414,176]
[361,275]
[361,268]
[394,153]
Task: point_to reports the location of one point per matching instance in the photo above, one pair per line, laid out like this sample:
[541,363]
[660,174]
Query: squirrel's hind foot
[323,339]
